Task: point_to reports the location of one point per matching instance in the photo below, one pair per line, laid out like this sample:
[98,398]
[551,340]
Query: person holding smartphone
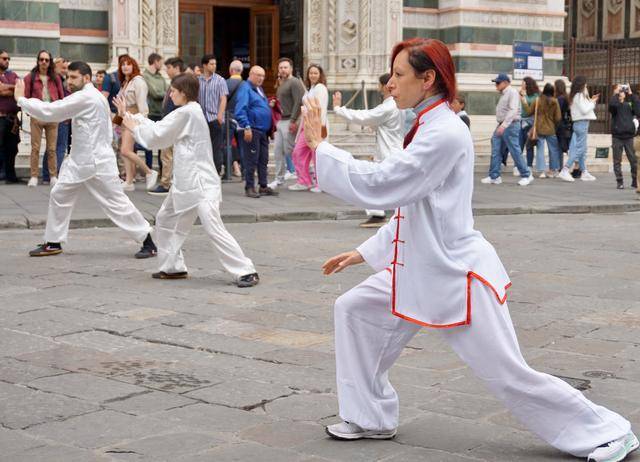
[582,106]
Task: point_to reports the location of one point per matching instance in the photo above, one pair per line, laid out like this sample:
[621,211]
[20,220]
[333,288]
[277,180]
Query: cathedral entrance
[236,29]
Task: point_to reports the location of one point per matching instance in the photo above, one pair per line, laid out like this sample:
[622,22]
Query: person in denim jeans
[546,123]
[582,106]
[529,93]
[508,131]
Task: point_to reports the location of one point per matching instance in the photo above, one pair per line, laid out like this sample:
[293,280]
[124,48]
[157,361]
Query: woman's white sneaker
[616,450]
[33,182]
[298,187]
[586,176]
[489,180]
[564,175]
[526,181]
[350,431]
[152,179]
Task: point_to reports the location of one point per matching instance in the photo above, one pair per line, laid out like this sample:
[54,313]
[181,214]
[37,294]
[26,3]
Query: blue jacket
[252,109]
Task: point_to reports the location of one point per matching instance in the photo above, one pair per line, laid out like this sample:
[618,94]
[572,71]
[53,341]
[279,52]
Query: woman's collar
[426,103]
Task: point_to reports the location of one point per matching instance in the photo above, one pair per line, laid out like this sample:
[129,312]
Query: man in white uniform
[91,163]
[388,121]
[433,269]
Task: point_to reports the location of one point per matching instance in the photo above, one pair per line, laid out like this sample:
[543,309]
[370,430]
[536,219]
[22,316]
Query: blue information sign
[528,59]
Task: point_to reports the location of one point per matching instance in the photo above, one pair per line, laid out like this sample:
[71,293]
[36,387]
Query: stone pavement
[22,207]
[98,362]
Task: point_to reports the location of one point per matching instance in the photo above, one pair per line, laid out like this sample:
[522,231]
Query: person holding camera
[624,108]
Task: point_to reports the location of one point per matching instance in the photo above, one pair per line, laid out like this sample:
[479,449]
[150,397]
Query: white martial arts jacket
[429,246]
[91,150]
[388,121]
[195,178]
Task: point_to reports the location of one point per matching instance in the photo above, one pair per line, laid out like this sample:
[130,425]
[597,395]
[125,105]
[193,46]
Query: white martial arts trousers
[107,191]
[369,339]
[172,228]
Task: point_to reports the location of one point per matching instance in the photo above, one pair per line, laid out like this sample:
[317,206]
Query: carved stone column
[167,40]
[125,26]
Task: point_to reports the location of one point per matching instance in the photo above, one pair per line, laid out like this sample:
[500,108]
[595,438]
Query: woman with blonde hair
[316,84]
[134,90]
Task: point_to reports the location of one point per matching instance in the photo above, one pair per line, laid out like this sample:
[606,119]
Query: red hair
[126,59]
[430,54]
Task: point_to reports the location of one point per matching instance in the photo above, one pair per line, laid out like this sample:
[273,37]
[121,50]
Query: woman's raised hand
[121,104]
[129,121]
[312,122]
[340,262]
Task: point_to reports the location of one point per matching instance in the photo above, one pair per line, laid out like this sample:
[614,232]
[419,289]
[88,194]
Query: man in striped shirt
[213,99]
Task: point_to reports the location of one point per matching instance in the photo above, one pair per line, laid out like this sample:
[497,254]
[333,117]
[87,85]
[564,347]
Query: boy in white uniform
[195,187]
[435,270]
[388,121]
[91,163]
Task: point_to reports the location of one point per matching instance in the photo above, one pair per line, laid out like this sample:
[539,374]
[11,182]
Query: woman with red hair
[435,270]
[134,90]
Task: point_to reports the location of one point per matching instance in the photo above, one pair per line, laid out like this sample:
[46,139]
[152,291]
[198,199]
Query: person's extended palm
[312,122]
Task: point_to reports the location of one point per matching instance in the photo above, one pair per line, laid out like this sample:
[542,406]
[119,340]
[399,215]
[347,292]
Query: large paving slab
[99,362]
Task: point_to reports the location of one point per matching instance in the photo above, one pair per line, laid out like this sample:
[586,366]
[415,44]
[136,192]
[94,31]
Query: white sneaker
[516,172]
[489,180]
[152,179]
[526,181]
[586,176]
[616,450]
[564,175]
[33,182]
[53,181]
[128,187]
[554,174]
[542,175]
[275,183]
[290,176]
[350,431]
[315,189]
[298,187]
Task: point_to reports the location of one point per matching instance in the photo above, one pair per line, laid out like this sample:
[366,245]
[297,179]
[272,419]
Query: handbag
[532,136]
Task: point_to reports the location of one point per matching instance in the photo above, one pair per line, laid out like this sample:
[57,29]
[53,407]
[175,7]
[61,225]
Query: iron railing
[604,64]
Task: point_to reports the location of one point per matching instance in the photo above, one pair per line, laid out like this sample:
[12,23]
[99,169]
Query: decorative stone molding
[95,5]
[433,19]
[167,27]
[365,18]
[587,19]
[613,19]
[635,19]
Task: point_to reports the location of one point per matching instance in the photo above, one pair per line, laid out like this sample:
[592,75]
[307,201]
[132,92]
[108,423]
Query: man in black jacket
[623,107]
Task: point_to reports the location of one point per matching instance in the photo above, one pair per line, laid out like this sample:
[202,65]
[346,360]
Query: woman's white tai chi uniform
[435,270]
[91,163]
[195,190]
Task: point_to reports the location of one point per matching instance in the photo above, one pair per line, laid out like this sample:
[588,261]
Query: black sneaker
[148,248]
[251,192]
[267,191]
[46,249]
[634,184]
[620,186]
[163,275]
[159,191]
[248,280]
[374,222]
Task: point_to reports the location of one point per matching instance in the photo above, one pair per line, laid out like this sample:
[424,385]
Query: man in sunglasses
[9,124]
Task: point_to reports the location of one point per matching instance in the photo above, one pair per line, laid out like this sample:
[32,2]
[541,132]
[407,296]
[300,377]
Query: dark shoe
[163,275]
[15,181]
[159,191]
[248,280]
[374,222]
[620,186]
[46,249]
[251,192]
[267,191]
[634,184]
[148,248]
